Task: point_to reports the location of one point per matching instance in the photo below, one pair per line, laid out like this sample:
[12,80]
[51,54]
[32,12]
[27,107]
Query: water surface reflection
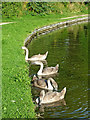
[67,47]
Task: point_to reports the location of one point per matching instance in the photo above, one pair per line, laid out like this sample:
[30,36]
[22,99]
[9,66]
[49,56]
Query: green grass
[15,81]
[16,84]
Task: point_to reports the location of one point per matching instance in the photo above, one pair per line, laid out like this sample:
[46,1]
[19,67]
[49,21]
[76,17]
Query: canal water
[67,47]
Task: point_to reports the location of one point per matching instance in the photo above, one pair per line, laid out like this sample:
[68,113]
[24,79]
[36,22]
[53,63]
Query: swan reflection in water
[51,105]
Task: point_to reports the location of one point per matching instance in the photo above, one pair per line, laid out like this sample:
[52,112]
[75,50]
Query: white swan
[48,84]
[35,57]
[47,70]
[50,96]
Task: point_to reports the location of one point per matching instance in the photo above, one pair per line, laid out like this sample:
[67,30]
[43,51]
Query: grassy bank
[16,84]
[16,90]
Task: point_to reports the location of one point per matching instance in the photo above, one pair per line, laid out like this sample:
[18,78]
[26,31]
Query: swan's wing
[41,83]
[48,69]
[37,57]
[51,96]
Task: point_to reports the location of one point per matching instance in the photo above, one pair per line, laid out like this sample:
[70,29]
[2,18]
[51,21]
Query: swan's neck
[26,57]
[41,69]
[49,85]
[54,84]
[42,97]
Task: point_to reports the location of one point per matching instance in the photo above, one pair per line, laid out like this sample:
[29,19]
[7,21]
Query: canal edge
[49,28]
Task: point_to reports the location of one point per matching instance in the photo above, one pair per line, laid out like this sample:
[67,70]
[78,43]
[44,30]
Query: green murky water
[69,48]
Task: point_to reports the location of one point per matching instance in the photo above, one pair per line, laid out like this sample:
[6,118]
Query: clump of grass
[16,84]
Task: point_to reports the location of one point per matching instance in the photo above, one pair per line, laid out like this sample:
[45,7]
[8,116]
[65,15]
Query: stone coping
[75,16]
[52,27]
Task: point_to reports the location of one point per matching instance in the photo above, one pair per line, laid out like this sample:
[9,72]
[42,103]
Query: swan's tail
[63,93]
[46,53]
[57,66]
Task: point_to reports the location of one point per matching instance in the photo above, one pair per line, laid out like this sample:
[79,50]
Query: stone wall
[52,27]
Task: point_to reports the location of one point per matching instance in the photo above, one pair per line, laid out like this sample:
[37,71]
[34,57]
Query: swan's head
[23,47]
[38,100]
[34,78]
